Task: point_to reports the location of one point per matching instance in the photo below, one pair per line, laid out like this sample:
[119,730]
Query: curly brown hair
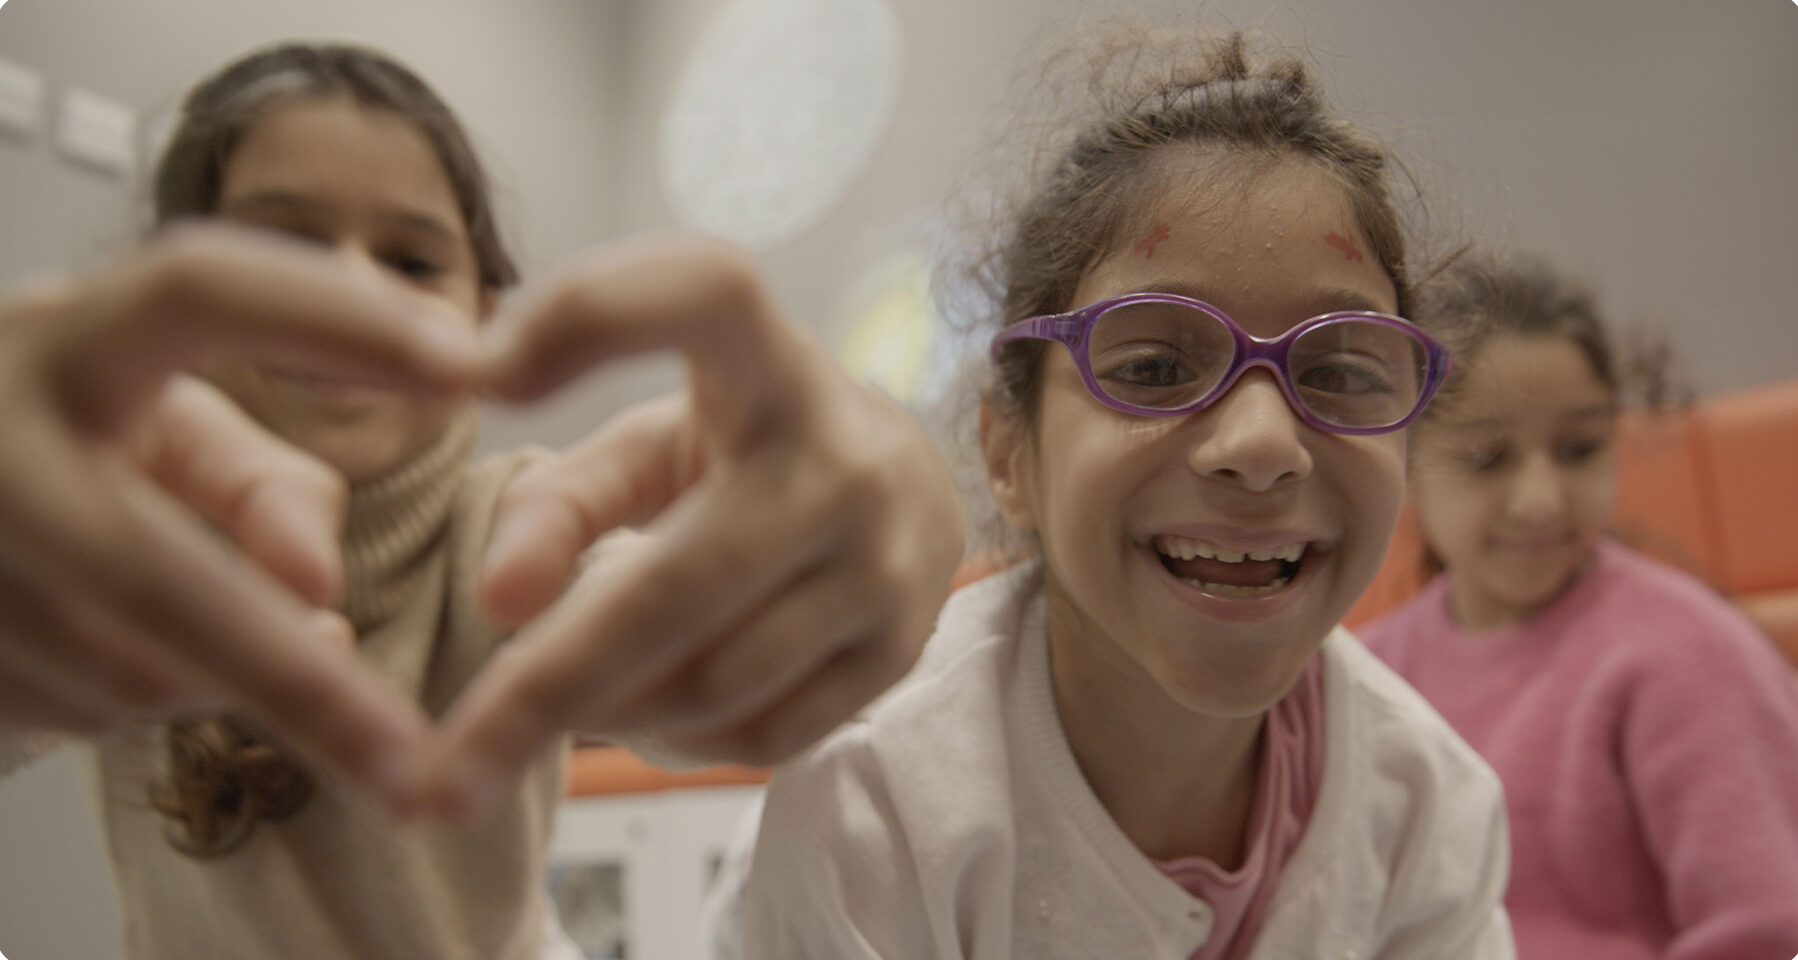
[1152,90]
[225,776]
[1489,294]
[1115,113]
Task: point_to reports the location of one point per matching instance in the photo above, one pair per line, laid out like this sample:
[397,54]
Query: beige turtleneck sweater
[340,880]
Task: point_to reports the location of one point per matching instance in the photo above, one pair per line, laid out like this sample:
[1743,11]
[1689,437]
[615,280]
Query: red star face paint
[1146,246]
[1346,244]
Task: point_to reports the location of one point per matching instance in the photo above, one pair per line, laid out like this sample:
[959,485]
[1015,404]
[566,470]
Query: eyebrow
[1595,412]
[287,200]
[1331,300]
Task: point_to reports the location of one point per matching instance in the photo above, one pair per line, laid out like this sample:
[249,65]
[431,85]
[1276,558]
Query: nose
[1536,495]
[1251,437]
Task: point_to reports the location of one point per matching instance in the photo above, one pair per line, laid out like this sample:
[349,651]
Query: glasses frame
[1074,328]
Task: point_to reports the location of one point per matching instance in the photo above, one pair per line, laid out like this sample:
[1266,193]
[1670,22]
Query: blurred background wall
[1649,142]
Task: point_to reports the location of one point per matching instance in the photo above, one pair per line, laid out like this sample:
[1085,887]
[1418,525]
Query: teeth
[1186,548]
[1232,590]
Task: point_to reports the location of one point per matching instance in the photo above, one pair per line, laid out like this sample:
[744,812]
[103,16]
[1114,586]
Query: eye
[1483,459]
[1158,366]
[1343,374]
[1580,449]
[413,266]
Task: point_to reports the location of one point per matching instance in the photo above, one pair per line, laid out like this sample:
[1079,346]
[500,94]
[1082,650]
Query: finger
[820,704]
[711,559]
[230,620]
[74,653]
[548,516]
[648,607]
[699,296]
[28,702]
[215,290]
[72,666]
[128,686]
[282,507]
[762,661]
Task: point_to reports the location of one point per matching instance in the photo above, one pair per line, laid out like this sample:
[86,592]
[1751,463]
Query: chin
[1238,687]
[361,458]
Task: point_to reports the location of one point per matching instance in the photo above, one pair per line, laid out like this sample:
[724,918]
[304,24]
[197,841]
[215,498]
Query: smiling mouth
[1224,572]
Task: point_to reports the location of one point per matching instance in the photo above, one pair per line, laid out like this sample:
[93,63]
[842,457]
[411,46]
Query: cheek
[1595,496]
[1451,512]
[1090,463]
[1378,470]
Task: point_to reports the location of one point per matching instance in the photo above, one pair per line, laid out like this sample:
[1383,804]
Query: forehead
[1524,381]
[1261,238]
[333,148]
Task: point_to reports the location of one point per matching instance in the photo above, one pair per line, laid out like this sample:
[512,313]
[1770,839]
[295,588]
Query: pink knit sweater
[1647,737]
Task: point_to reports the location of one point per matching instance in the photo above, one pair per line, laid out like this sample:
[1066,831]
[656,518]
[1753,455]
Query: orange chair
[601,771]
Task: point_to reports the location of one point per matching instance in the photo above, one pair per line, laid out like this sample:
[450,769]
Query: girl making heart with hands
[327,266]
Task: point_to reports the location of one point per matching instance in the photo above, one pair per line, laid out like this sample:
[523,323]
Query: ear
[1005,446]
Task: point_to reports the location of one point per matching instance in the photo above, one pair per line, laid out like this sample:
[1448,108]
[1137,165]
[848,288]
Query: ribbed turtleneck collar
[394,521]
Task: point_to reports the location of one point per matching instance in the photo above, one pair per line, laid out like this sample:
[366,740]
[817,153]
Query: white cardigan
[951,821]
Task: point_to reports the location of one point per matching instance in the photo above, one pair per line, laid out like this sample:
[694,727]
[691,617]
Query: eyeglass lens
[1164,356]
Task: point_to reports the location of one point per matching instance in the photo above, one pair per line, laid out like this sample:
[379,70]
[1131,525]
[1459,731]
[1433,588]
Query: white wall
[1649,142]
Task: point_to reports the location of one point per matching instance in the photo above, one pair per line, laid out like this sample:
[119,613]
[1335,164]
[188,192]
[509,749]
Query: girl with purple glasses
[1152,738]
[1646,733]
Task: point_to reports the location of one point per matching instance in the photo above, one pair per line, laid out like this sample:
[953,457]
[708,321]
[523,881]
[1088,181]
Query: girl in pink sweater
[1646,734]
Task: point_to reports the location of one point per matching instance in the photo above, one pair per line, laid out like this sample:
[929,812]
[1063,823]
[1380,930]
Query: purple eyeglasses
[1164,355]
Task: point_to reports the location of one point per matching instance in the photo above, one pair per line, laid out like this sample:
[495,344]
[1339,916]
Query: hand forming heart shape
[811,514]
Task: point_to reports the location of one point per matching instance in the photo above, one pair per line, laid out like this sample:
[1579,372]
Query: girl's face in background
[1514,477]
[1121,502]
[366,185]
